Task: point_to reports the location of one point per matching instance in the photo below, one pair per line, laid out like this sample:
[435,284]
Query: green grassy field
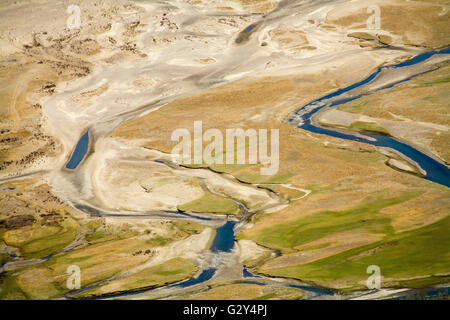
[353,108]
[369,127]
[44,240]
[101,234]
[110,251]
[415,258]
[3,257]
[210,203]
[286,236]
[401,257]
[171,271]
[361,126]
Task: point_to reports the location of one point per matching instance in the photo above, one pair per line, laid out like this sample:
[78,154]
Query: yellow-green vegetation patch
[10,289]
[424,99]
[284,192]
[35,282]
[3,257]
[283,176]
[412,259]
[122,249]
[210,203]
[171,271]
[177,230]
[353,107]
[241,291]
[369,127]
[102,232]
[400,165]
[430,27]
[41,239]
[286,236]
[445,78]
[97,262]
[188,227]
[361,126]
[319,188]
[103,259]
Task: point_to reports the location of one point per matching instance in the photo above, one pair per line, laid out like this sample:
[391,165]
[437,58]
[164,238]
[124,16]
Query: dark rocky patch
[16,222]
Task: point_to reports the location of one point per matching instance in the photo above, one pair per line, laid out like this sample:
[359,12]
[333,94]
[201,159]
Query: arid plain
[140,226]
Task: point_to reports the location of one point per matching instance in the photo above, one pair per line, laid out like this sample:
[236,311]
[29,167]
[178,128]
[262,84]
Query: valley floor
[140,226]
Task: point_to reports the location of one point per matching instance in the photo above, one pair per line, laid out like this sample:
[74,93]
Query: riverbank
[142,70]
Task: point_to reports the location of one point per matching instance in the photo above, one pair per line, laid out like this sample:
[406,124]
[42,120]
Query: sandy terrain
[138,70]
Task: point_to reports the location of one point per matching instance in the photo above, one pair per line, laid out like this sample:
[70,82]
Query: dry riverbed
[138,70]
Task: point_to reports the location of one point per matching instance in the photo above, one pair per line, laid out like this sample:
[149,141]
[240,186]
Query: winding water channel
[224,240]
[435,171]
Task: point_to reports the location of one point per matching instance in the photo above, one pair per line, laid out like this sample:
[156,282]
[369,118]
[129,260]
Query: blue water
[248,274]
[249,28]
[11,257]
[425,294]
[246,30]
[205,275]
[318,291]
[435,171]
[224,240]
[79,152]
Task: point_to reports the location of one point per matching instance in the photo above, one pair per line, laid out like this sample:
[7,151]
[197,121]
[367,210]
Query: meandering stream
[302,118]
[435,171]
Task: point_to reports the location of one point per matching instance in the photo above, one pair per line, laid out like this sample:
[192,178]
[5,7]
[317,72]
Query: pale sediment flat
[139,70]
